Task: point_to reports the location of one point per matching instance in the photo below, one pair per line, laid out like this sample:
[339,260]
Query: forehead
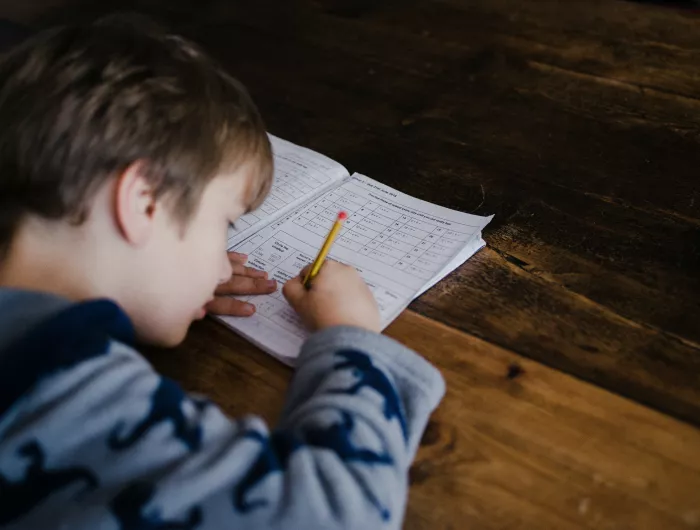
[258,174]
[238,187]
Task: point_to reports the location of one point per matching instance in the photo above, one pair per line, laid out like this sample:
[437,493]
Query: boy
[124,155]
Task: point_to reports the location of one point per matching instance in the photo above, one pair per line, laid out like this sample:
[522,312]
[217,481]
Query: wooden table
[571,345]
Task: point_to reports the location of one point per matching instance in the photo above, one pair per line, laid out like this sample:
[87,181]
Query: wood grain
[473,119]
[514,444]
[576,123]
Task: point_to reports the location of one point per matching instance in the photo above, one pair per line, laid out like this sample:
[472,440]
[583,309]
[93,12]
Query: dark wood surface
[578,125]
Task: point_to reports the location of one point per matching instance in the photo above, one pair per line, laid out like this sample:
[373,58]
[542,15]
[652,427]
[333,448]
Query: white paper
[300,174]
[400,245]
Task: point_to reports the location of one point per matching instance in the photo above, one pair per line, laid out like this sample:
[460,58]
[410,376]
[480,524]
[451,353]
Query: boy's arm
[109,439]
[339,457]
[359,401]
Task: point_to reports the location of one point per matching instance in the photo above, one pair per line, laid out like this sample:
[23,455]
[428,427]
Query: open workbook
[400,245]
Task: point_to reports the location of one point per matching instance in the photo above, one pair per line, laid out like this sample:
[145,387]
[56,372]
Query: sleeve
[135,451]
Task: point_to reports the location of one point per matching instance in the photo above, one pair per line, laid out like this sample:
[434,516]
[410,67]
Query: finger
[246,285]
[324,266]
[294,290]
[237,257]
[239,269]
[225,305]
[305,271]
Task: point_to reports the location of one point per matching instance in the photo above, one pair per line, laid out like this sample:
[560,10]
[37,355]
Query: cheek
[210,258]
[202,254]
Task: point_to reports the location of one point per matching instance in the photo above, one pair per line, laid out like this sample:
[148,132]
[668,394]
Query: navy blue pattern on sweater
[91,437]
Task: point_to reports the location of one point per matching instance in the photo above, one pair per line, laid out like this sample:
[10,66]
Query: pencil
[316,267]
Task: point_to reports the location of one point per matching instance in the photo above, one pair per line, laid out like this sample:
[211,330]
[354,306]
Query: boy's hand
[245,280]
[338,297]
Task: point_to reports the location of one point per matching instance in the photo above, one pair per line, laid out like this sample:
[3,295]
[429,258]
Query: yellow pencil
[316,267]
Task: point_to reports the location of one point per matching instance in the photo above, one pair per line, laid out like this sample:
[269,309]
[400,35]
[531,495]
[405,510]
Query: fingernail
[249,309]
[271,283]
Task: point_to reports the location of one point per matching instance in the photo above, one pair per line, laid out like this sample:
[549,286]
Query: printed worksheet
[300,175]
[400,245]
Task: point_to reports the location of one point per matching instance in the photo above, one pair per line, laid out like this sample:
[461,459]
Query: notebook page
[300,175]
[399,245]
[476,244]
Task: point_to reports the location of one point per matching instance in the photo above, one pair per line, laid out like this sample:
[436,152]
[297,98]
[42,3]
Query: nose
[226,269]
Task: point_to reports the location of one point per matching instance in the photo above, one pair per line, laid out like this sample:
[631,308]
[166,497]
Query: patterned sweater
[91,437]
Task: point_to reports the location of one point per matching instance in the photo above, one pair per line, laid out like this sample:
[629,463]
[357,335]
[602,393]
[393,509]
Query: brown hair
[79,104]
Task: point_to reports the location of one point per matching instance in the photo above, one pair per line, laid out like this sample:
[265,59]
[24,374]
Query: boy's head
[125,153]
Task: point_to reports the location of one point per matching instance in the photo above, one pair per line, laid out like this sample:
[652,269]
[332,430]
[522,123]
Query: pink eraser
[342,216]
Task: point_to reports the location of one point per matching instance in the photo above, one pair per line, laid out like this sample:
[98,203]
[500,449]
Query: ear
[135,206]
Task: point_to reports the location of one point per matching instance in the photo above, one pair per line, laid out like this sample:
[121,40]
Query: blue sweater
[91,437]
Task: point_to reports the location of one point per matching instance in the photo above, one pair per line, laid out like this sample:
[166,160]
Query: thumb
[294,290]
[304,272]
